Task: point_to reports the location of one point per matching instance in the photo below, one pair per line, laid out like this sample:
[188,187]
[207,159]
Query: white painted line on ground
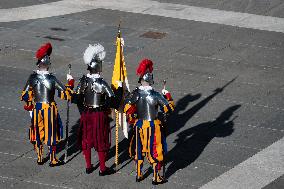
[34,182]
[17,155]
[14,140]
[3,107]
[43,10]
[254,173]
[260,127]
[7,130]
[225,61]
[148,7]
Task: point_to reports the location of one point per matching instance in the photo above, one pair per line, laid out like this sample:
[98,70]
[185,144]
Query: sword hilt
[69,68]
[164,82]
[119,32]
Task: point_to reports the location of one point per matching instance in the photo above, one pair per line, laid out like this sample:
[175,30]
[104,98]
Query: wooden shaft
[116,137]
[67,121]
[136,151]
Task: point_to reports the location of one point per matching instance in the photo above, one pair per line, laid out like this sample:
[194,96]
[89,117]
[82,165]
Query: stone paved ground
[227,83]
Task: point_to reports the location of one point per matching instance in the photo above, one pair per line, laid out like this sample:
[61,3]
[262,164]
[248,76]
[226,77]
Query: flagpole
[67,122]
[116,139]
[117,115]
[165,133]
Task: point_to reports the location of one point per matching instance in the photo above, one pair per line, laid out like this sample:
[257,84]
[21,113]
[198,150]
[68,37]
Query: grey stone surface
[211,131]
[268,8]
[278,183]
[6,4]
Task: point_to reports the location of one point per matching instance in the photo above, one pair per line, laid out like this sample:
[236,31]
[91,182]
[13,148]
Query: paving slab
[211,131]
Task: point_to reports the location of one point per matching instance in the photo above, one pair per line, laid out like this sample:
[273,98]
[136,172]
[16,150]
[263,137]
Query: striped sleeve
[66,94]
[27,96]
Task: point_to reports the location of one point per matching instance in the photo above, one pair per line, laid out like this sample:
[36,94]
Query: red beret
[144,65]
[45,49]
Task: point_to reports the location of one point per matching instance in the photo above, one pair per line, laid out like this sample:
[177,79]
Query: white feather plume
[92,51]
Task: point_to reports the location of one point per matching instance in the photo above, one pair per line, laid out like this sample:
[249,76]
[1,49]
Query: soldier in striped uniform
[142,107]
[38,94]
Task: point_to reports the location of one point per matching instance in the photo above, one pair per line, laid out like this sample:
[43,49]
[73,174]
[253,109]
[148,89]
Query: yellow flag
[120,74]
[119,69]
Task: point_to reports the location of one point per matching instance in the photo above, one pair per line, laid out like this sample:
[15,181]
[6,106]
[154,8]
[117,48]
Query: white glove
[164,91]
[31,113]
[122,41]
[119,83]
[69,77]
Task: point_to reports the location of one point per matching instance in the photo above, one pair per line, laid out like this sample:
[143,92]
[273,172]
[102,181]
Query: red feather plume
[144,66]
[45,49]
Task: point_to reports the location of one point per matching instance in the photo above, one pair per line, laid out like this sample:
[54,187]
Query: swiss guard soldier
[38,93]
[97,98]
[142,112]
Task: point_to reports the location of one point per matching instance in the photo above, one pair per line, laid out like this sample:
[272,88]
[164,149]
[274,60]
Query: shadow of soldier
[176,121]
[191,142]
[123,151]
[73,144]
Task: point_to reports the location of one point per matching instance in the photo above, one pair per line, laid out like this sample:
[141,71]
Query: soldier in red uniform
[97,98]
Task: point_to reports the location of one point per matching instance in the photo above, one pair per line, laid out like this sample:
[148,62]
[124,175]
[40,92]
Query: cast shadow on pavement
[73,146]
[178,120]
[192,141]
[124,144]
[123,152]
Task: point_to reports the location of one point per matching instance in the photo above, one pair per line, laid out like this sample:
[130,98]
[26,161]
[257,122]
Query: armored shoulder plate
[96,90]
[133,97]
[43,87]
[161,100]
[106,88]
[82,85]
[28,83]
[148,103]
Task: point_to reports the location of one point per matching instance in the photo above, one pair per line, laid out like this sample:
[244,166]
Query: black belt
[93,109]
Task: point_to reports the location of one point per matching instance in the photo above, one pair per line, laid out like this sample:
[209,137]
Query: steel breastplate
[147,105]
[94,94]
[43,87]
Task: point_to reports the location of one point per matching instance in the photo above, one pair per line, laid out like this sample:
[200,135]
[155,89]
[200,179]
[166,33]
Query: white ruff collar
[145,88]
[94,76]
[42,72]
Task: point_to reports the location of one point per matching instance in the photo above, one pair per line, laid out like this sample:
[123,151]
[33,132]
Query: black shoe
[108,171]
[139,179]
[162,181]
[40,162]
[58,163]
[90,170]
